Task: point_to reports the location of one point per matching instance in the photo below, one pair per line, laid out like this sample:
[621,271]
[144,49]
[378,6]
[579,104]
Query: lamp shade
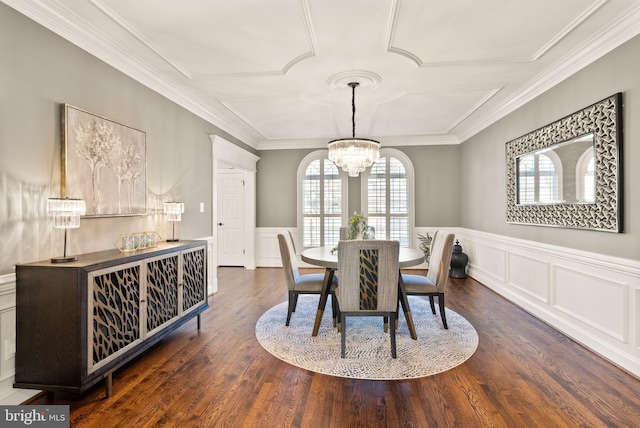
[174,210]
[66,212]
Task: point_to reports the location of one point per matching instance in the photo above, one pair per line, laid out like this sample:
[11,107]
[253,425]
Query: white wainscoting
[267,249]
[212,271]
[8,394]
[592,298]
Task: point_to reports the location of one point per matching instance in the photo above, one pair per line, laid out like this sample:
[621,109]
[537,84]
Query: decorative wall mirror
[569,173]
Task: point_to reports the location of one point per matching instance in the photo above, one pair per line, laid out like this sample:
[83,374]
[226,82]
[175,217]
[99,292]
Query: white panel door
[231,249]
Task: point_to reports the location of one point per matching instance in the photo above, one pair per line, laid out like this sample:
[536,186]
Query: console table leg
[108,384]
[198,321]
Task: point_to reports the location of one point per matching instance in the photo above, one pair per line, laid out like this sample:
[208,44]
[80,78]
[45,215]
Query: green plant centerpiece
[357,225]
[425,245]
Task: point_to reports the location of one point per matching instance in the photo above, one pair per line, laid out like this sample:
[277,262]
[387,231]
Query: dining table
[327,257]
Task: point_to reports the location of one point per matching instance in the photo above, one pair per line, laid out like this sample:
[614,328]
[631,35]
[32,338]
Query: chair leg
[393,338]
[433,306]
[442,314]
[295,302]
[342,334]
[395,318]
[334,312]
[292,305]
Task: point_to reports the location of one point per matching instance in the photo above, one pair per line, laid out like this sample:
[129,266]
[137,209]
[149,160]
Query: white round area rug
[368,348]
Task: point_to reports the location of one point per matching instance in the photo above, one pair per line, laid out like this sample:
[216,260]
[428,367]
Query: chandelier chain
[353,108]
[353,154]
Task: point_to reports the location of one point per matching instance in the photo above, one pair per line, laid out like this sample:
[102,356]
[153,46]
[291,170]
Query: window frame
[323,156]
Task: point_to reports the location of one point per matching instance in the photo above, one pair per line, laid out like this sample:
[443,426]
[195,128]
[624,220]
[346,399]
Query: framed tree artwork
[104,163]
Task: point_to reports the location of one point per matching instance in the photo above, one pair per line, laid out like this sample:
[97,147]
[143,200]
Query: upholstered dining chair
[300,284]
[293,242]
[369,272]
[437,278]
[344,233]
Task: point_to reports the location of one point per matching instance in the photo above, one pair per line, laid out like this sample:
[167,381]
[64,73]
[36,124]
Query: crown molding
[618,32]
[403,141]
[66,24]
[56,17]
[235,155]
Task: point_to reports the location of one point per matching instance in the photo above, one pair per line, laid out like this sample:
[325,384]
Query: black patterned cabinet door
[194,278]
[115,308]
[161,291]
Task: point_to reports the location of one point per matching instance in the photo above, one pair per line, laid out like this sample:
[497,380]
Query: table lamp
[66,214]
[174,211]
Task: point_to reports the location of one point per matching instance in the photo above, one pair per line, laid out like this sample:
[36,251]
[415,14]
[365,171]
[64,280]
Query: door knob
[219,224]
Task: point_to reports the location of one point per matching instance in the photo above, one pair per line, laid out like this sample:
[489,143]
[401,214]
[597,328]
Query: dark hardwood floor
[523,374]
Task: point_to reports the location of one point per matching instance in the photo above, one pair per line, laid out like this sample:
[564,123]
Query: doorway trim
[224,155]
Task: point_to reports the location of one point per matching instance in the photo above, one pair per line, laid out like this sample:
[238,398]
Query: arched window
[387,197]
[538,178]
[322,200]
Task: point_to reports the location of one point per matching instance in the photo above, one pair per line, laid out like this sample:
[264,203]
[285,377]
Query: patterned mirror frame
[604,120]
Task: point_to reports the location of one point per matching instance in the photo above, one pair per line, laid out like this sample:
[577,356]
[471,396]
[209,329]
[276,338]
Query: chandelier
[354,155]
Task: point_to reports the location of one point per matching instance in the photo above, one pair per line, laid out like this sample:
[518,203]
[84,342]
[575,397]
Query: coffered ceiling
[274,73]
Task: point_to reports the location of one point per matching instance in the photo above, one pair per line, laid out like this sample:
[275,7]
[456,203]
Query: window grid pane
[311,189]
[548,179]
[399,227]
[399,197]
[332,231]
[332,189]
[311,232]
[526,180]
[377,188]
[380,226]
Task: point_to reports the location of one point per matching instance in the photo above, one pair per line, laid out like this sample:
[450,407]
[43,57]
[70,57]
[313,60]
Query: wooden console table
[78,322]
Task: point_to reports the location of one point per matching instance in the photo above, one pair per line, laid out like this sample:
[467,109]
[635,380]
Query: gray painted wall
[38,72]
[437,192]
[483,156]
[455,185]
[276,187]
